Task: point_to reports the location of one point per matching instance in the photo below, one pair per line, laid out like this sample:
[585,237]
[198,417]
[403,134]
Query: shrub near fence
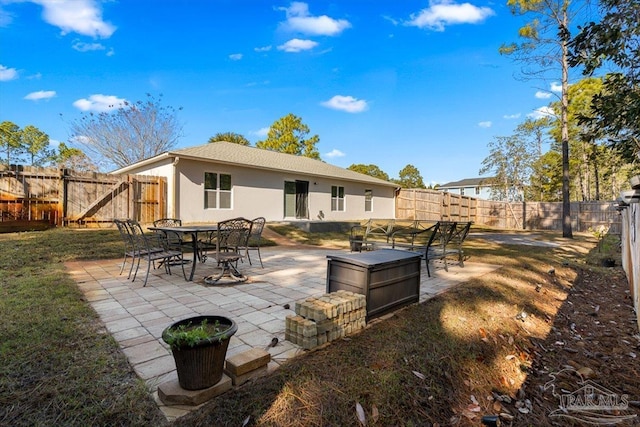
[432,205]
[66,197]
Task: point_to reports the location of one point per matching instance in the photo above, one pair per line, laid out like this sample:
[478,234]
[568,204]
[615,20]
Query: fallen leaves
[362,416]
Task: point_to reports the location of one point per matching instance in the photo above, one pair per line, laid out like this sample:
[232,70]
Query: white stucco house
[221,180]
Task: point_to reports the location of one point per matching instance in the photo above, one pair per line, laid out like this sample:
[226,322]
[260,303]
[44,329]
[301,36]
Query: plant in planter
[199,347]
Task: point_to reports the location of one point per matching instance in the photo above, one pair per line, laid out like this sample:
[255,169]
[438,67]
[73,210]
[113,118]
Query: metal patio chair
[253,243]
[231,236]
[175,240]
[151,247]
[129,251]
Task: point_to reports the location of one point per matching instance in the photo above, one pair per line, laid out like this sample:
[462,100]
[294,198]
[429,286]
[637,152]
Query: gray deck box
[389,278]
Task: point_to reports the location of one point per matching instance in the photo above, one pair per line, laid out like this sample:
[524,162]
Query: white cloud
[262,83]
[512,116]
[542,112]
[77,16]
[335,153]
[346,103]
[80,139]
[262,132]
[543,95]
[393,21]
[99,103]
[5,17]
[441,13]
[235,56]
[41,94]
[87,47]
[299,20]
[486,124]
[7,74]
[263,49]
[297,45]
[556,87]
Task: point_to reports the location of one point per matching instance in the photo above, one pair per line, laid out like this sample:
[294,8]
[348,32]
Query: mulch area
[594,342]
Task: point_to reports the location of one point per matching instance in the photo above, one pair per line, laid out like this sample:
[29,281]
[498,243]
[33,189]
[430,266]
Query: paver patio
[136,316]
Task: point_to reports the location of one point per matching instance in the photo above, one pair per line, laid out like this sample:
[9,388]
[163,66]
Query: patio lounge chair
[451,235]
[419,240]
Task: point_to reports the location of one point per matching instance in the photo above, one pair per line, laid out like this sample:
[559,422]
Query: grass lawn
[438,363]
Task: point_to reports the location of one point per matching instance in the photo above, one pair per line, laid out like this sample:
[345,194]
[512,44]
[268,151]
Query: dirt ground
[587,371]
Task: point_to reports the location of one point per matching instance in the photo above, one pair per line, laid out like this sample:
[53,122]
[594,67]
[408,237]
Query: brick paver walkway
[136,315]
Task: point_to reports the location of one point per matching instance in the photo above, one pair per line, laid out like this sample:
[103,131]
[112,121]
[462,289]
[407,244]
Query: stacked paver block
[319,320]
[247,365]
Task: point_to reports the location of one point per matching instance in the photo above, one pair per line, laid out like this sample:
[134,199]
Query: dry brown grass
[443,362]
[58,364]
[438,363]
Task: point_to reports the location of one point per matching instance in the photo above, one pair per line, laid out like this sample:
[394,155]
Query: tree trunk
[596,171]
[566,202]
[587,173]
[582,176]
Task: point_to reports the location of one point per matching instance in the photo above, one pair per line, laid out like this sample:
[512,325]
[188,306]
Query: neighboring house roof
[242,155]
[468,182]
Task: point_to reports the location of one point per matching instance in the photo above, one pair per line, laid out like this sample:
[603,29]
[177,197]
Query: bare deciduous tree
[129,133]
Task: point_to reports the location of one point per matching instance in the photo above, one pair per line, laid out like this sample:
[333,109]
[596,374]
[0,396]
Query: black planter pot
[201,366]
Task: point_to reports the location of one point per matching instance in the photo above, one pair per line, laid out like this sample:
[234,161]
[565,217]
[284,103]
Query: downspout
[174,195]
[396,193]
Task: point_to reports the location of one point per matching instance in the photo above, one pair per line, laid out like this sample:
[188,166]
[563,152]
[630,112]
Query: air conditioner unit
[630,196]
[635,182]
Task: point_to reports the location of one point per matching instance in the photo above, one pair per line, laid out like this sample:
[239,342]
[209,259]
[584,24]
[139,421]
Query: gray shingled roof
[467,182]
[226,152]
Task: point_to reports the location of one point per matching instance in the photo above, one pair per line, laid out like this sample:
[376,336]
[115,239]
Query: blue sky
[385,82]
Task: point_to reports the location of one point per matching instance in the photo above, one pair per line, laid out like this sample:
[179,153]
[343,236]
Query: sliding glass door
[296,199]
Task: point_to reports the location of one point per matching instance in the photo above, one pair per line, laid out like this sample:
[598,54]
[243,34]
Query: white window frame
[368,200]
[338,203]
[218,193]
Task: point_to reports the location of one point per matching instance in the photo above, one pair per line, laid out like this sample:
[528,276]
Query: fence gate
[65,197]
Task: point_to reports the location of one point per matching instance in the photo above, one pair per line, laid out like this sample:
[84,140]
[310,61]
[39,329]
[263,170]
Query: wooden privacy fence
[65,197]
[631,252]
[432,205]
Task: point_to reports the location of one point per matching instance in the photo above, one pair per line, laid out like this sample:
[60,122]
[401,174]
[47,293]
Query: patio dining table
[193,231]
